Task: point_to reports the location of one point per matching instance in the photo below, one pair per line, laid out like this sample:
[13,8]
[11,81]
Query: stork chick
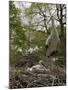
[39,67]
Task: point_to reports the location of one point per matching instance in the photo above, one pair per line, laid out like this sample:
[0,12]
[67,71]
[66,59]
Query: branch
[57,12]
[41,12]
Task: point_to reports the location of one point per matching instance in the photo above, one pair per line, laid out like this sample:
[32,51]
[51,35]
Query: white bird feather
[53,39]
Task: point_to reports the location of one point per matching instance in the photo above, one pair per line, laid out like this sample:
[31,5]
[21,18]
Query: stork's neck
[54,31]
[53,22]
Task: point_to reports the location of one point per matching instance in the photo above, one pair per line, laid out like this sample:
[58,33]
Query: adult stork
[53,40]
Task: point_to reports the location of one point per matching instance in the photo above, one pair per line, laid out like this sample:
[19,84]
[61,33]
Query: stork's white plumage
[38,68]
[53,40]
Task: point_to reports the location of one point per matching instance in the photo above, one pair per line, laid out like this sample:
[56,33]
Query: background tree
[61,15]
[17,34]
[30,26]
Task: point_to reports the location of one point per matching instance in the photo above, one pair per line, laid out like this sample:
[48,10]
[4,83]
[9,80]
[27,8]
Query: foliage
[17,34]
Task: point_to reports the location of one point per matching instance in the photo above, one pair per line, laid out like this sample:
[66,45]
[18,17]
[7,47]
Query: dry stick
[53,82]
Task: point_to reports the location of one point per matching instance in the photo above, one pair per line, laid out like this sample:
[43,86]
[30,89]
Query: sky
[25,20]
[23,4]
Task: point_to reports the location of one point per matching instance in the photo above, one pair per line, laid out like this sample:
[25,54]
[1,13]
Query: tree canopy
[30,25]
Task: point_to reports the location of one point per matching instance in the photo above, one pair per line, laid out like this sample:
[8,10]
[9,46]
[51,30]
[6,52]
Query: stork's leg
[52,62]
[55,55]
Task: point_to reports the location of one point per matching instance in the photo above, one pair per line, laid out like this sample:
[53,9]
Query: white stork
[53,40]
[38,68]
